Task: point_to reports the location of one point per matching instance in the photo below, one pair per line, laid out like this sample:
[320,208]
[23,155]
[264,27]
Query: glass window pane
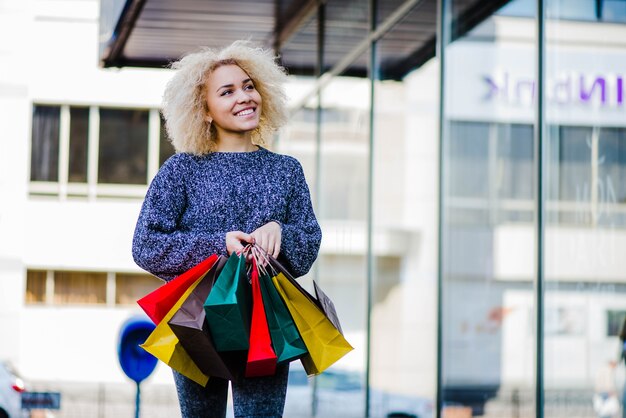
[614,10]
[514,162]
[570,155]
[571,9]
[78,287]
[166,149]
[615,320]
[612,163]
[342,268]
[341,392]
[488,322]
[79,132]
[344,193]
[344,160]
[123,146]
[403,323]
[35,286]
[585,274]
[469,153]
[131,287]
[44,153]
[519,8]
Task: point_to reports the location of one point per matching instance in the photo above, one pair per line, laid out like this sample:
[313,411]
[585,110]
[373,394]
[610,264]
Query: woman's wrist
[280,224]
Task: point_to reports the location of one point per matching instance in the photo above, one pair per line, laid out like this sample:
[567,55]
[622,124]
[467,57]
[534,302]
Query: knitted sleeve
[160,246]
[301,233]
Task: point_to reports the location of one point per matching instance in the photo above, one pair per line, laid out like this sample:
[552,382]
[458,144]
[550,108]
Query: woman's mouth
[245,112]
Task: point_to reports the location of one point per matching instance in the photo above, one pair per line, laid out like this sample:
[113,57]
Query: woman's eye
[225,92]
[249,87]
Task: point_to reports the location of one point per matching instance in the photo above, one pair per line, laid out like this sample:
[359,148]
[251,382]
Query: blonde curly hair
[184,99]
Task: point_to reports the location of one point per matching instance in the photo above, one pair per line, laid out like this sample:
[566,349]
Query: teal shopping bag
[227,307]
[286,339]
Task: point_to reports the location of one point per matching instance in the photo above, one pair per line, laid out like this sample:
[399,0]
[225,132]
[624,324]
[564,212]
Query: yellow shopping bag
[165,346]
[323,340]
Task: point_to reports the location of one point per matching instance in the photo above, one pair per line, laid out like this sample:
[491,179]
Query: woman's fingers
[235,240]
[260,240]
[276,249]
[268,237]
[242,236]
[270,245]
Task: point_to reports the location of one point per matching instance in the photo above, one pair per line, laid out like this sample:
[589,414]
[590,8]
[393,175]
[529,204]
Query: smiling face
[233,103]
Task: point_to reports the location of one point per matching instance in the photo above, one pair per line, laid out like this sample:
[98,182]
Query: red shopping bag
[261,356]
[158,303]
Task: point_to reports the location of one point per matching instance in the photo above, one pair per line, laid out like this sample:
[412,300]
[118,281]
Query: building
[420,125]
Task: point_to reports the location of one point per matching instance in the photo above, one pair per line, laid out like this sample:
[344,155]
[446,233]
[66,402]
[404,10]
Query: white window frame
[93,190]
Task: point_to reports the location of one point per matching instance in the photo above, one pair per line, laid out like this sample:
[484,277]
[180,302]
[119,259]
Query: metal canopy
[153,33]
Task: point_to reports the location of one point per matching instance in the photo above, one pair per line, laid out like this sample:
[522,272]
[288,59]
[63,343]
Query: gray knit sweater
[194,201]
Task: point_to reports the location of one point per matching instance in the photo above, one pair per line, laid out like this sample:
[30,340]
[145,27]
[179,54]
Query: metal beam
[540,196]
[297,18]
[113,55]
[443,39]
[358,50]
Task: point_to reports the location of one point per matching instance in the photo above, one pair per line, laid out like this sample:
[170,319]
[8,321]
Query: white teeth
[244,112]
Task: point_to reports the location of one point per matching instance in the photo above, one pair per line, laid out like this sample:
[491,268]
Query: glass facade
[487,189]
[470,189]
[584,277]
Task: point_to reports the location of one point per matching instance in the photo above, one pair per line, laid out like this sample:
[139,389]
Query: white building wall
[52,58]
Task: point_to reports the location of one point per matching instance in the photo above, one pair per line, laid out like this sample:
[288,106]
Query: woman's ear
[205,106]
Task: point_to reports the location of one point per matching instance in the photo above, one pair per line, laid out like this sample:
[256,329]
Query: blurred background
[467,162]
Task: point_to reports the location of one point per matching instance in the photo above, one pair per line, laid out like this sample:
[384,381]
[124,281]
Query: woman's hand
[234,239]
[268,237]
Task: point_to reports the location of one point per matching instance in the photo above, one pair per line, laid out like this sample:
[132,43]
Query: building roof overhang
[154,33]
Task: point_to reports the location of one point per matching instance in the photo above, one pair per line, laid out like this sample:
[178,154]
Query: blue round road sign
[137,363]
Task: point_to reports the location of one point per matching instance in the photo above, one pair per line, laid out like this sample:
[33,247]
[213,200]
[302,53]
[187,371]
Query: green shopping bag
[227,307]
[286,339]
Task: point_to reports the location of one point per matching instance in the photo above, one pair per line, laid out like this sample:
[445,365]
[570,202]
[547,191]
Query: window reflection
[71,287]
[584,273]
[123,146]
[35,286]
[342,212]
[79,132]
[129,288]
[44,157]
[488,219]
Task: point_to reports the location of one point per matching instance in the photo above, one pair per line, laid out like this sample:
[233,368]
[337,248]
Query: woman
[224,189]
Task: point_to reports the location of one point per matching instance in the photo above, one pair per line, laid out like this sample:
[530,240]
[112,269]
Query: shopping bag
[158,303]
[321,299]
[164,345]
[323,339]
[261,357]
[327,306]
[286,339]
[227,307]
[191,329]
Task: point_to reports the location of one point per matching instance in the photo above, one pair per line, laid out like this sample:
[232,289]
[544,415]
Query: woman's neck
[227,143]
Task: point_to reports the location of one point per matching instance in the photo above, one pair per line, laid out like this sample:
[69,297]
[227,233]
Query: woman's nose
[243,96]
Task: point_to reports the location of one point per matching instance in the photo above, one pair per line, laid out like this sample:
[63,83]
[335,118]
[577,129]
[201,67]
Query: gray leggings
[252,397]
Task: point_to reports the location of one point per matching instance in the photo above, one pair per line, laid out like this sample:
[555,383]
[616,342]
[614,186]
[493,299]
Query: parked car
[11,388]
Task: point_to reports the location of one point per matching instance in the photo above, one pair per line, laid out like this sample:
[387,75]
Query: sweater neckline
[260,150]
